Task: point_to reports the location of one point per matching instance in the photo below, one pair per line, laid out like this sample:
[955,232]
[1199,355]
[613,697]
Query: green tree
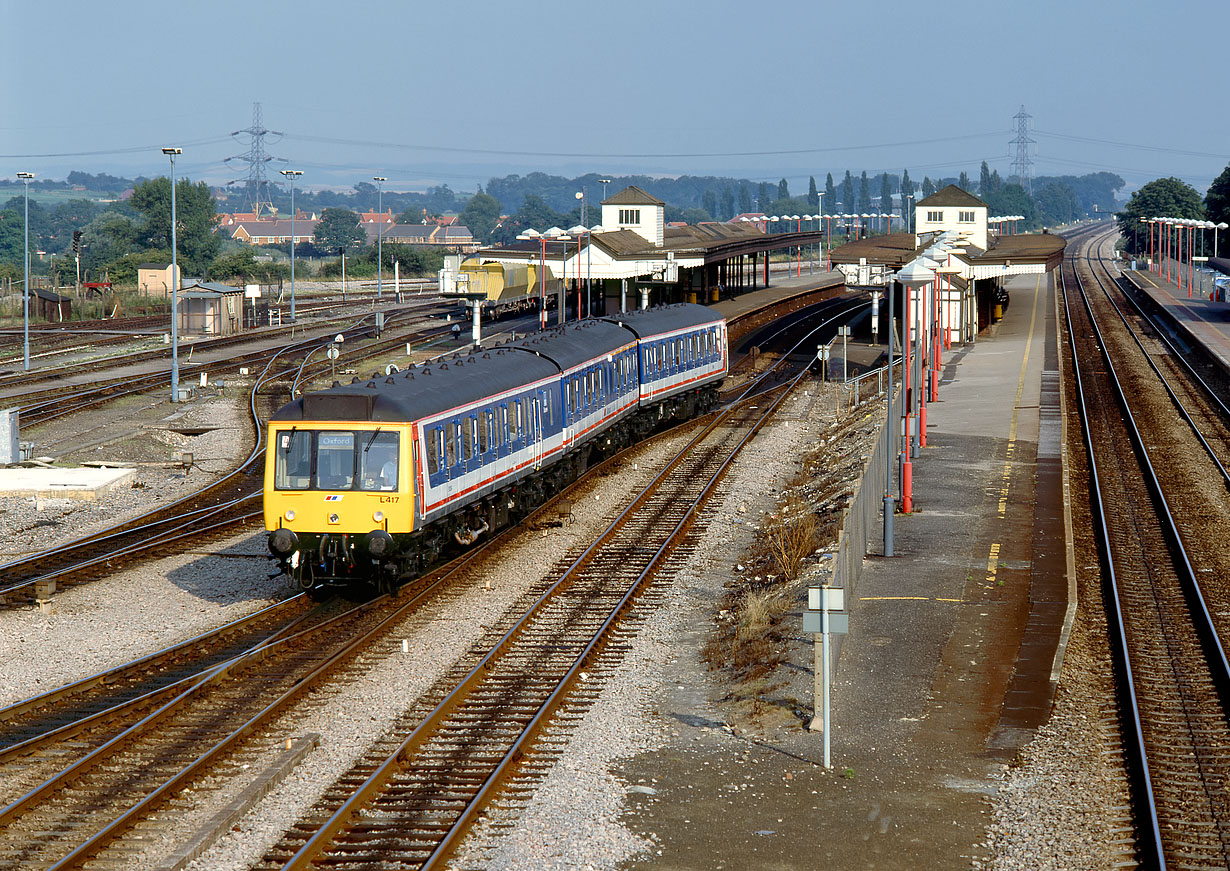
[830,195]
[963,181]
[886,196]
[195,216]
[727,203]
[338,228]
[864,194]
[745,197]
[847,193]
[481,214]
[12,238]
[235,266]
[783,190]
[1012,200]
[813,194]
[1217,200]
[984,179]
[1160,198]
[763,198]
[108,237]
[928,186]
[709,202]
[1057,203]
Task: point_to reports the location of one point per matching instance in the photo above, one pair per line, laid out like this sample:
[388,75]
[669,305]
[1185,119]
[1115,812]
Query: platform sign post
[817,619]
[875,317]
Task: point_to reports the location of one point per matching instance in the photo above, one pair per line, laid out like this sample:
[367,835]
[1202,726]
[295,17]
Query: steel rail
[1201,620]
[375,784]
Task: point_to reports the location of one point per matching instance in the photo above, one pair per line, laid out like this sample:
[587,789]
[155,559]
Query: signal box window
[935,217]
[629,216]
[965,217]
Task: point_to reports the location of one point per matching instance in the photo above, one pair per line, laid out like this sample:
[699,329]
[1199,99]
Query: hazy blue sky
[456,92]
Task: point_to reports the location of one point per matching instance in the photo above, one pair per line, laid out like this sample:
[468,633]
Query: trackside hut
[209,308]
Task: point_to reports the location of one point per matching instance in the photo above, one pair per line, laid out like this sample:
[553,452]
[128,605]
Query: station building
[955,243]
[631,260]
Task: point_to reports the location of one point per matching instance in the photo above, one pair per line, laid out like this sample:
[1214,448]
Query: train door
[533,432]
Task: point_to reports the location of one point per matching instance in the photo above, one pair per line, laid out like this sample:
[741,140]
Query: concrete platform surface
[86,484]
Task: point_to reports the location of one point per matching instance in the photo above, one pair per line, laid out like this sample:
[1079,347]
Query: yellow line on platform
[1006,479]
[906,599]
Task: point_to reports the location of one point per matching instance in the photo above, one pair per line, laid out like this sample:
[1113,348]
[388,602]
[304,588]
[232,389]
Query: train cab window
[293,460]
[335,460]
[379,460]
[450,444]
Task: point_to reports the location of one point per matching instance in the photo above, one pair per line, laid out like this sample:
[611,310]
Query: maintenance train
[372,481]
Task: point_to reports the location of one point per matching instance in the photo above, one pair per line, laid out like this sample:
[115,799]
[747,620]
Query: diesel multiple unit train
[371,481]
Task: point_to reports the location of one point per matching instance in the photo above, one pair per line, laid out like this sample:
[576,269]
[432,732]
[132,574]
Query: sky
[429,93]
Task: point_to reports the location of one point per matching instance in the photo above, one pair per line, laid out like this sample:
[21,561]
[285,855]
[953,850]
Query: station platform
[782,289]
[1202,322]
[955,643]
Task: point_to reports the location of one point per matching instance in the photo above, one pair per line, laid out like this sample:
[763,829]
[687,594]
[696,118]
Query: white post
[476,334]
[397,279]
[824,645]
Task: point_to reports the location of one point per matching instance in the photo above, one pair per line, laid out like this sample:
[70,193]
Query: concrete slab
[85,484]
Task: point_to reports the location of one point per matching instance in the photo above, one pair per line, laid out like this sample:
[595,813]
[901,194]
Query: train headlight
[333,518]
[378,516]
[378,543]
[290,514]
[283,541]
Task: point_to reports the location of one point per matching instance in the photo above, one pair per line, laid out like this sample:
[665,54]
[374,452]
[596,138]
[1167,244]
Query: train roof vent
[486,356]
[371,385]
[443,365]
[337,384]
[354,380]
[426,371]
[389,380]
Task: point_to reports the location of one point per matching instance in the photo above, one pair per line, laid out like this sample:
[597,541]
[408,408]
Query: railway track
[217,510]
[1172,669]
[490,727]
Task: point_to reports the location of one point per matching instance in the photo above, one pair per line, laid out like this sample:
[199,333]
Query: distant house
[272,232]
[454,237]
[374,218]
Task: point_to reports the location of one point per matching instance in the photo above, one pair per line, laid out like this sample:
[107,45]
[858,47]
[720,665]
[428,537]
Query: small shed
[208,308]
[155,279]
[52,307]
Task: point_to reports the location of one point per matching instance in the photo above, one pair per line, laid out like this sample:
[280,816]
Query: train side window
[467,437]
[482,431]
[517,420]
[450,444]
[502,428]
[432,437]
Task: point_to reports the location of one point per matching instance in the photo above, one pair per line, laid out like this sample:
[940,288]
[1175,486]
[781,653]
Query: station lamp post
[172,152]
[379,180]
[913,277]
[1220,226]
[291,175]
[25,288]
[604,182]
[531,235]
